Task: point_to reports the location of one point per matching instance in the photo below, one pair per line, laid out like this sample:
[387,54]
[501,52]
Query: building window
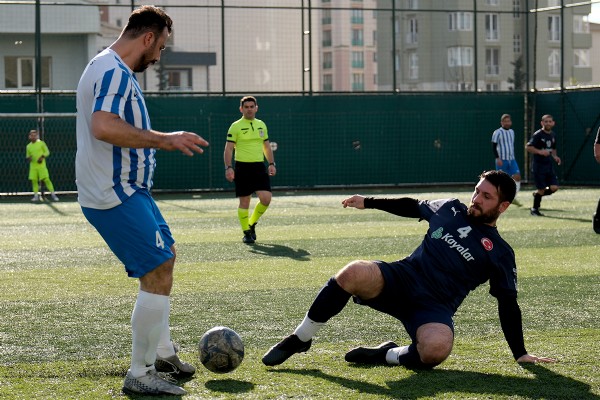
[582,58]
[357,16]
[516,9]
[491,2]
[554,28]
[412,31]
[517,43]
[413,4]
[327,83]
[413,66]
[581,24]
[357,37]
[460,56]
[492,61]
[358,82]
[554,63]
[554,3]
[491,27]
[327,60]
[460,21]
[179,79]
[358,59]
[326,38]
[326,16]
[19,72]
[492,87]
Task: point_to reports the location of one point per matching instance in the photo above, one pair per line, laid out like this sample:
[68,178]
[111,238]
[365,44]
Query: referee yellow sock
[259,210]
[243,217]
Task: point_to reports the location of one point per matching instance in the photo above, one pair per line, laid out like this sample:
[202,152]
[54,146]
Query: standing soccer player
[503,146]
[36,153]
[249,137]
[543,147]
[461,250]
[596,217]
[114,166]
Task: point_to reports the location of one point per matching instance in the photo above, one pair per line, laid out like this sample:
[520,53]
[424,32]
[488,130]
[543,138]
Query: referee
[250,139]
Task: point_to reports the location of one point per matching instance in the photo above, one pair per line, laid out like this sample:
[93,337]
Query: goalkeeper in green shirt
[36,154]
[249,137]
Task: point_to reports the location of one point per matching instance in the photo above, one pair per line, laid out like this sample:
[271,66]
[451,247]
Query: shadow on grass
[231,386]
[277,250]
[544,385]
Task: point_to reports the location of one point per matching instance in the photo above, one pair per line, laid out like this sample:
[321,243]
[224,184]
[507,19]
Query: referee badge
[261,133]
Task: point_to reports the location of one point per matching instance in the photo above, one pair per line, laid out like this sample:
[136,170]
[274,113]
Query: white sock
[391,357]
[147,321]
[165,346]
[518,187]
[307,329]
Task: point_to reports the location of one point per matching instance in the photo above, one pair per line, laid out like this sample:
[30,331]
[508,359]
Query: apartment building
[429,45]
[348,51]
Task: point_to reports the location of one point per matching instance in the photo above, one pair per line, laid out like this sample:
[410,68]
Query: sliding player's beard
[476,214]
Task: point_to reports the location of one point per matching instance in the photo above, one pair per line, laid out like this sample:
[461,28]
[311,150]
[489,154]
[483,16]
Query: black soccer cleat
[370,355]
[285,349]
[248,239]
[536,212]
[596,223]
[253,230]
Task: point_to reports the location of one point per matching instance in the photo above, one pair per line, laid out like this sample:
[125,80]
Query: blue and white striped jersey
[505,138]
[107,175]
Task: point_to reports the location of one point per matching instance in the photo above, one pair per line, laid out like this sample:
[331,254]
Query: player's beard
[144,63]
[488,217]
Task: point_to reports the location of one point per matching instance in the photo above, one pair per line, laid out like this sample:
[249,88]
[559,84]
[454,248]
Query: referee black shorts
[251,177]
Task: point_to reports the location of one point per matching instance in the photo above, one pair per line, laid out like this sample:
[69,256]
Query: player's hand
[499,162]
[530,358]
[39,161]
[272,170]
[557,159]
[186,142]
[356,201]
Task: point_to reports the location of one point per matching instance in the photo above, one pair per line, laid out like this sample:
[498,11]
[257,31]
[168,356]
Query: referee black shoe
[596,223]
[370,355]
[285,349]
[248,237]
[253,230]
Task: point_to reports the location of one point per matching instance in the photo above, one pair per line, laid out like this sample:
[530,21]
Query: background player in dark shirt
[543,147]
[596,223]
[461,250]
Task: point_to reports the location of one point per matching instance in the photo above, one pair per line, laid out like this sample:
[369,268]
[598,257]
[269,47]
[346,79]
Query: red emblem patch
[487,244]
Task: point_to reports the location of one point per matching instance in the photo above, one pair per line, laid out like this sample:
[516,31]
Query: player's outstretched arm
[356,201]
[110,128]
[530,358]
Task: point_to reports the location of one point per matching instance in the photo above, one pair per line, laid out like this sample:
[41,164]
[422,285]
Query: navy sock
[330,300]
[412,360]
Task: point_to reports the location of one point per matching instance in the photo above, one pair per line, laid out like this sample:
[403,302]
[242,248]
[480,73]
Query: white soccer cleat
[36,197]
[151,383]
[54,197]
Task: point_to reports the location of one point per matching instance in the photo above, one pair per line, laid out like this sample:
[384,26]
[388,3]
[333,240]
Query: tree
[519,76]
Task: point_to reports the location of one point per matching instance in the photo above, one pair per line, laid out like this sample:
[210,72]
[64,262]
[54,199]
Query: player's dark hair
[504,183]
[147,19]
[246,99]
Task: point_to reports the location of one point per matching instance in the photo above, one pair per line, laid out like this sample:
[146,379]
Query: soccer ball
[221,349]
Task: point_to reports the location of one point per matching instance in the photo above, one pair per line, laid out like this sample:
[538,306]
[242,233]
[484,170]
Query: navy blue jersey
[458,255]
[542,140]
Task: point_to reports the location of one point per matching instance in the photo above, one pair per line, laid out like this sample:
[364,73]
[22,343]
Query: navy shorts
[544,177]
[135,231]
[250,178]
[404,298]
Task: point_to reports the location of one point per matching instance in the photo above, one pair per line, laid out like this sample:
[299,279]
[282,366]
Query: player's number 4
[159,240]
[464,231]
